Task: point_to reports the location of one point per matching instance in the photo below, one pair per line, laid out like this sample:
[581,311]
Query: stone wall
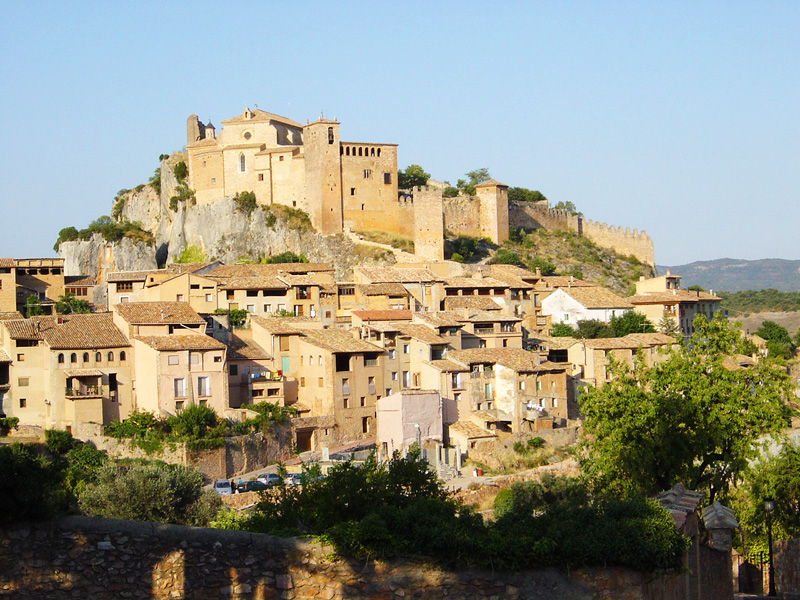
[786,559]
[462,215]
[628,241]
[82,557]
[536,215]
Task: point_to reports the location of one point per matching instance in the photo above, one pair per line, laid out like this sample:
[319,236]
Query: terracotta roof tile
[395,275]
[383,315]
[181,342]
[470,430]
[483,316]
[7,263]
[670,298]
[75,280]
[251,283]
[270,270]
[474,282]
[242,349]
[129,276]
[422,333]
[449,366]
[471,302]
[596,297]
[277,325]
[21,329]
[383,289]
[4,357]
[80,331]
[336,340]
[442,318]
[158,313]
[13,315]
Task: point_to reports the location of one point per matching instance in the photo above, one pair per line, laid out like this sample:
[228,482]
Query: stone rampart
[628,241]
[462,215]
[82,557]
[536,215]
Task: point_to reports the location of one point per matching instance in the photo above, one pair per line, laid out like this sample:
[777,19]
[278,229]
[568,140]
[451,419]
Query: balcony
[84,391]
[483,329]
[265,376]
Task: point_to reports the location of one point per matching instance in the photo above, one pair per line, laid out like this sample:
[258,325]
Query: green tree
[142,491]
[30,485]
[504,256]
[562,330]
[777,477]
[779,342]
[518,194]
[286,257]
[68,304]
[591,329]
[567,206]
[630,322]
[668,326]
[413,176]
[33,306]
[687,419]
[473,178]
[191,254]
[545,267]
[194,421]
[180,170]
[695,288]
[450,191]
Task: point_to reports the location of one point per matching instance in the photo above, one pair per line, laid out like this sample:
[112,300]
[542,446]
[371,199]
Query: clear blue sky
[679,118]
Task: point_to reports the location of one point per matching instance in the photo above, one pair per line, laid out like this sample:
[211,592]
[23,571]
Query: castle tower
[493,198]
[323,171]
[428,223]
[193,129]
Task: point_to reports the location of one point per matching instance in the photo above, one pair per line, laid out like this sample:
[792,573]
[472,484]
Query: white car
[269,479]
[293,479]
[223,487]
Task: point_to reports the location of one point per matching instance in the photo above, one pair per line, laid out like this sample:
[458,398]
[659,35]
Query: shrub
[180,170]
[30,485]
[58,441]
[193,421]
[506,257]
[155,180]
[7,424]
[450,192]
[245,202]
[544,266]
[237,317]
[286,257]
[191,254]
[149,491]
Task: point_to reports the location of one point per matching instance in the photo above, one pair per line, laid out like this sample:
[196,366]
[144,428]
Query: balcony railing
[265,376]
[85,391]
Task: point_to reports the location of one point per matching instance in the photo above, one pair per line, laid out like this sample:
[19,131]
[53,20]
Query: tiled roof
[483,316]
[7,263]
[277,325]
[652,339]
[336,340]
[73,280]
[470,430]
[471,302]
[442,318]
[382,289]
[514,276]
[266,282]
[448,366]
[718,516]
[679,502]
[513,358]
[260,115]
[271,270]
[383,315]
[474,282]
[672,298]
[422,333]
[4,357]
[558,343]
[80,331]
[632,341]
[6,316]
[128,276]
[395,275]
[181,342]
[21,329]
[241,349]
[596,297]
[293,280]
[490,183]
[158,313]
[564,281]
[83,372]
[180,268]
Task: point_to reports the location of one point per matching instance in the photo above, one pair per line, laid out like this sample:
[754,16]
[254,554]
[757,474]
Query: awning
[83,373]
[4,357]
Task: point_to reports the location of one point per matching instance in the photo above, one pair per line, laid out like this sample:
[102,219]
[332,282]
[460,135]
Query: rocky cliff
[223,230]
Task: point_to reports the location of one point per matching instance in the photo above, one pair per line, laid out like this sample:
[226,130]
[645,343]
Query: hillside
[734,275]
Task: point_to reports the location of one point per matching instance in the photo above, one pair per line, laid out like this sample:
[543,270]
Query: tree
[687,419]
[69,304]
[779,342]
[668,326]
[504,256]
[630,322]
[591,329]
[286,257]
[569,207]
[545,266]
[473,178]
[149,491]
[413,176]
[562,330]
[191,254]
[695,288]
[33,306]
[518,194]
[29,485]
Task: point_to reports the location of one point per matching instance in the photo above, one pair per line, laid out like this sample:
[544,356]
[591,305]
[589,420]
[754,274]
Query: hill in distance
[732,275]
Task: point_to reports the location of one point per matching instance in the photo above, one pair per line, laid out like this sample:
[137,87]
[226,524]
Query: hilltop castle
[353,185]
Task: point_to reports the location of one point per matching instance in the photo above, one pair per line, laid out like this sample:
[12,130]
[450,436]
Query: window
[345,387]
[122,355]
[242,163]
[179,387]
[363,400]
[352,191]
[455,380]
[125,286]
[321,381]
[73,358]
[172,359]
[346,403]
[261,177]
[85,357]
[364,424]
[371,385]
[388,391]
[23,403]
[367,173]
[179,406]
[370,361]
[179,297]
[217,359]
[268,308]
[60,359]
[251,308]
[194,358]
[203,387]
[98,357]
[406,379]
[110,356]
[406,349]
[394,375]
[257,393]
[387,178]
[330,135]
[392,354]
[233,369]
[23,381]
[302,382]
[208,298]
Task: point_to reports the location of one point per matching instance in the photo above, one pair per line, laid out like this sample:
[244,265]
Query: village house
[20,278]
[570,305]
[64,371]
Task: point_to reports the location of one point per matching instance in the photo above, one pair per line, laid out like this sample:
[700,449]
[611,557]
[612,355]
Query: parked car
[223,487]
[251,486]
[293,479]
[269,479]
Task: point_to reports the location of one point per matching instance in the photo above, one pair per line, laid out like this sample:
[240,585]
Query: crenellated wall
[428,223]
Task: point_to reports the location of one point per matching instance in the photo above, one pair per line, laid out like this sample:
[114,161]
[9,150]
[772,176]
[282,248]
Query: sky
[678,118]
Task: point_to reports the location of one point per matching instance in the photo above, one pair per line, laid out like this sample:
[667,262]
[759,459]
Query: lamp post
[769,506]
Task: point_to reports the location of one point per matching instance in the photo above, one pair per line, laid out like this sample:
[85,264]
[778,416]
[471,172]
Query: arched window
[360,152]
[330,135]
[110,356]
[379,151]
[347,151]
[73,358]
[98,357]
[122,355]
[85,357]
[242,163]
[372,152]
[60,359]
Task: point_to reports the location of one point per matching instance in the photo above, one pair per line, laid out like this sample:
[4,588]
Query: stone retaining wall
[81,557]
[786,560]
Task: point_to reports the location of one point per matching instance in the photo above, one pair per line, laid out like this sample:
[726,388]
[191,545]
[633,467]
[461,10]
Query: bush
[7,424]
[58,441]
[149,491]
[506,257]
[30,485]
[155,180]
[450,192]
[237,317]
[545,267]
[194,421]
[191,254]
[286,257]
[180,170]
[245,202]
